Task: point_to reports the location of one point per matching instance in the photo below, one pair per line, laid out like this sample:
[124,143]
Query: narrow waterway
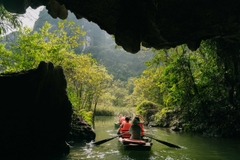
[194,147]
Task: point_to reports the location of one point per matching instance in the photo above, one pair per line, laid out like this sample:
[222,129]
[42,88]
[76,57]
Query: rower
[124,127]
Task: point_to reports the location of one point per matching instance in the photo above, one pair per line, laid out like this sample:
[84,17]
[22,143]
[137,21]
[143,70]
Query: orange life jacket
[125,128]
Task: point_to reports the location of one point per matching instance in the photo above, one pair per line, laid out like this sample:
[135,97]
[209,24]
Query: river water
[194,147]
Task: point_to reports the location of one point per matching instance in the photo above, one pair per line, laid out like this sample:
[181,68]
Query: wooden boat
[134,144]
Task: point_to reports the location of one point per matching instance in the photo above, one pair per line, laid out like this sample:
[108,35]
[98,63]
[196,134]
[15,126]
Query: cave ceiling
[155,24]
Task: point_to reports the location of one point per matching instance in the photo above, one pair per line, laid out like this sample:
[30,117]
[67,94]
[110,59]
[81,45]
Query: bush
[87,115]
[104,111]
[147,109]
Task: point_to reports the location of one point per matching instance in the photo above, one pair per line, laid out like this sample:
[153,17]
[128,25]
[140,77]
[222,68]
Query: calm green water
[193,147]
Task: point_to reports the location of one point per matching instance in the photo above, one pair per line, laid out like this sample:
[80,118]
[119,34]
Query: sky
[31,16]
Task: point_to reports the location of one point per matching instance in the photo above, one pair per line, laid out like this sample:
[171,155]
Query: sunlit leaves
[8,21]
[147,86]
[87,80]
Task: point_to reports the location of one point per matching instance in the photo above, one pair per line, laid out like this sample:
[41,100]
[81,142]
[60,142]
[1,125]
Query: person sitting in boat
[121,119]
[124,127]
[135,130]
[141,125]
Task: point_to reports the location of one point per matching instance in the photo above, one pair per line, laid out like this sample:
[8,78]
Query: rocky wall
[35,113]
[158,24]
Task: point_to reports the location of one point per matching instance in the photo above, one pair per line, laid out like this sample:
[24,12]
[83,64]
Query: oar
[108,139]
[163,142]
[104,140]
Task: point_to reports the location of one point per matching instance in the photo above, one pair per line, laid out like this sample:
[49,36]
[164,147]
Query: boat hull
[138,145]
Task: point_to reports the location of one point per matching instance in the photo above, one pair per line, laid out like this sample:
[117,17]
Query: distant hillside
[102,46]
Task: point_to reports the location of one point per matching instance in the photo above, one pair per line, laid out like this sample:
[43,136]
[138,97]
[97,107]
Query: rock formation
[81,131]
[35,113]
[153,23]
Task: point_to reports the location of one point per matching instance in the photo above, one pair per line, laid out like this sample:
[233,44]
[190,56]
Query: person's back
[141,125]
[125,125]
[135,130]
[124,128]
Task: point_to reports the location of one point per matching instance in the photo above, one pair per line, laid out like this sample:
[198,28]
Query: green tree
[9,21]
[202,85]
[85,77]
[119,92]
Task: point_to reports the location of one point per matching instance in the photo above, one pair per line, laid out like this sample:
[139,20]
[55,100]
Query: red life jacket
[142,128]
[125,128]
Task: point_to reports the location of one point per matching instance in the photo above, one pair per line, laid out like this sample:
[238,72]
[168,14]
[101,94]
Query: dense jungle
[193,91]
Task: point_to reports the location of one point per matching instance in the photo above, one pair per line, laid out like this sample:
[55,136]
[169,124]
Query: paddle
[108,139]
[104,140]
[163,142]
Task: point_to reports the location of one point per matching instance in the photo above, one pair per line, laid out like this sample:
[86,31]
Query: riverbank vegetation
[201,86]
